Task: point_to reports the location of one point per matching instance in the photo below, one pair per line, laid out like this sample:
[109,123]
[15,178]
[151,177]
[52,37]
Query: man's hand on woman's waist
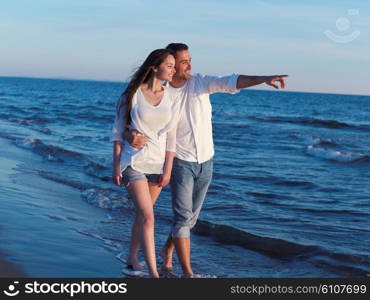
[135,138]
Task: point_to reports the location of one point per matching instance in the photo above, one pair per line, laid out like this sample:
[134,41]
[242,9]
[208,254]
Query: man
[193,164]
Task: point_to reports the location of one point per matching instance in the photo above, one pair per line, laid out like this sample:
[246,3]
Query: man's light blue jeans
[189,186]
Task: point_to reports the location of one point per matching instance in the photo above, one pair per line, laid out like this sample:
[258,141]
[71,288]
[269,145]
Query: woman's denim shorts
[130,175]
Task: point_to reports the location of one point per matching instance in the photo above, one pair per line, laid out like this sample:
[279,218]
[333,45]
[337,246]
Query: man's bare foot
[167,265]
[154,275]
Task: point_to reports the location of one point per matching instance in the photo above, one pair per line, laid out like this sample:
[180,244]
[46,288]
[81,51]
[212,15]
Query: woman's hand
[116,176]
[167,169]
[164,179]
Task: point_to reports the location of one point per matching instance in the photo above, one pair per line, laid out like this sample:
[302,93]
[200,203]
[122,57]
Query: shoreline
[44,222]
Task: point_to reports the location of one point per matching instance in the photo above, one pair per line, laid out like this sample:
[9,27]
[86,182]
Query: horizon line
[116,81]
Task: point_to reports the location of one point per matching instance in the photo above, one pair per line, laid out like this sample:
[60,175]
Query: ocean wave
[313,140]
[335,155]
[340,263]
[7,136]
[65,120]
[239,126]
[307,184]
[272,203]
[364,127]
[265,195]
[72,183]
[50,152]
[229,208]
[342,268]
[92,167]
[98,108]
[99,171]
[363,159]
[14,108]
[343,212]
[15,94]
[112,243]
[106,199]
[35,108]
[61,218]
[323,123]
[332,190]
[28,122]
[271,246]
[269,179]
[312,122]
[41,129]
[92,116]
[230,144]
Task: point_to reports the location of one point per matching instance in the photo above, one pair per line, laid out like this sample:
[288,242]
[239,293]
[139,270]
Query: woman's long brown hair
[142,75]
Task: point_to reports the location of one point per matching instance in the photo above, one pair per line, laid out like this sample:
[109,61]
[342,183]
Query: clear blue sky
[107,39]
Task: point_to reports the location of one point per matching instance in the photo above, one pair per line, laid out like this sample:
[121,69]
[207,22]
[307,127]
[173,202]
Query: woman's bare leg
[144,222]
[132,260]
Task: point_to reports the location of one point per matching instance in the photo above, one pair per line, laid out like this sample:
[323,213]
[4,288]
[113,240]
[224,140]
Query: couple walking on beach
[163,134]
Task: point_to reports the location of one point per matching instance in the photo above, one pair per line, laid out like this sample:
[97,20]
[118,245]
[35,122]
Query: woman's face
[166,69]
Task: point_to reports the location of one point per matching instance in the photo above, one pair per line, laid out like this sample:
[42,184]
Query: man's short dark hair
[177,47]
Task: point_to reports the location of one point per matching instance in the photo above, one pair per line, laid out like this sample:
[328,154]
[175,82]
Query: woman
[145,106]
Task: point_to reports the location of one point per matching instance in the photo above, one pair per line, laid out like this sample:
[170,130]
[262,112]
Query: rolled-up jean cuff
[181,232]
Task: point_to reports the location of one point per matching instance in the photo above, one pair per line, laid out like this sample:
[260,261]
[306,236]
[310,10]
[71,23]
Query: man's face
[183,65]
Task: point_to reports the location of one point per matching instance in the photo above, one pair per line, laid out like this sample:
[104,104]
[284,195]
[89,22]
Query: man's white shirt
[194,140]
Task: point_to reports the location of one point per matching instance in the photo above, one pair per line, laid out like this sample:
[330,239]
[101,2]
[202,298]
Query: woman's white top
[158,123]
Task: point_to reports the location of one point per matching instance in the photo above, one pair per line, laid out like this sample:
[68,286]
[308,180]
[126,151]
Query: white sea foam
[106,198]
[339,156]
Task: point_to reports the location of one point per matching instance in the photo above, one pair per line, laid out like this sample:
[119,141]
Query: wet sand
[42,221]
[8,269]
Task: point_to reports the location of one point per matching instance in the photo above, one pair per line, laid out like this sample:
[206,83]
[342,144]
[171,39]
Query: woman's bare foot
[154,275]
[135,265]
